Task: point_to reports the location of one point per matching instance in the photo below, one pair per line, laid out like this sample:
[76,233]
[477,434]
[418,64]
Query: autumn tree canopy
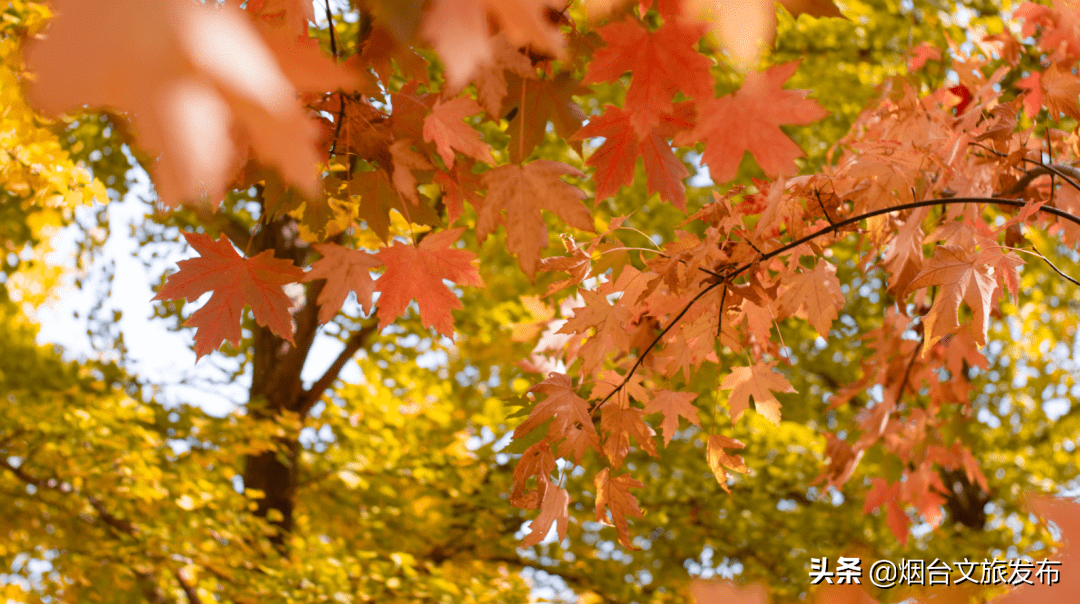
[832,311]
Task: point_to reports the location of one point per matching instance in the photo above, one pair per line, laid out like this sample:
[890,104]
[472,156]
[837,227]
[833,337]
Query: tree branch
[189,590]
[1053,266]
[120,525]
[833,227]
[355,343]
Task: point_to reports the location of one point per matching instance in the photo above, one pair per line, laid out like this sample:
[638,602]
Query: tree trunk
[276,387]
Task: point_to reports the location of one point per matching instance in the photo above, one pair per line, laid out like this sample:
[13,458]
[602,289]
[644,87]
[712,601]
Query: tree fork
[276,387]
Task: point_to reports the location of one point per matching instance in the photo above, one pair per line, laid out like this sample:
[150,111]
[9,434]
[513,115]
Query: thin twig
[817,194]
[333,38]
[1042,170]
[911,363]
[1035,251]
[719,349]
[728,276]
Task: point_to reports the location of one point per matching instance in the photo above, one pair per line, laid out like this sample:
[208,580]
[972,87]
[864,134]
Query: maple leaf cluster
[356,146]
[933,173]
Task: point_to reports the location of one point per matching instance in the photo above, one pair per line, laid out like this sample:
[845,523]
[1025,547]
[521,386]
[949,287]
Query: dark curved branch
[833,227]
[355,343]
[1065,171]
[1054,266]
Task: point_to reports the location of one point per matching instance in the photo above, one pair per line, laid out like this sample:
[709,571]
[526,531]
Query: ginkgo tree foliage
[820,317]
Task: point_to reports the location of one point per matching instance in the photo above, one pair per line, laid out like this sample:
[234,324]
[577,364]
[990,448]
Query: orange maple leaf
[663,62]
[345,270]
[904,257]
[578,441]
[1060,89]
[522,191]
[921,54]
[609,321]
[749,120]
[446,128]
[815,296]
[562,403]
[1066,515]
[459,32]
[536,461]
[614,493]
[882,493]
[235,281]
[673,405]
[619,423]
[405,160]
[759,381]
[963,276]
[720,460]
[553,510]
[192,77]
[377,197]
[1033,99]
[459,185]
[417,272]
[726,592]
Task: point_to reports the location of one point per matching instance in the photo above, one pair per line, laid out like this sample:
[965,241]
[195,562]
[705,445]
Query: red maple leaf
[882,493]
[663,62]
[536,461]
[534,103]
[615,159]
[345,270]
[963,95]
[235,281]
[522,191]
[417,272]
[759,381]
[614,493]
[749,120]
